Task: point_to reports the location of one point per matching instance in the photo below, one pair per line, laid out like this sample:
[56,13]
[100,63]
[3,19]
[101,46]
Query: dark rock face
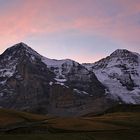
[82,79]
[67,102]
[27,83]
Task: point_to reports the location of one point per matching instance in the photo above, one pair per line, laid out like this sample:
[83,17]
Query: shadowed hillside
[116,125]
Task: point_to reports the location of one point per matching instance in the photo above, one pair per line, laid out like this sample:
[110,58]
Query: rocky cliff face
[31,82]
[75,76]
[120,73]
[68,102]
[25,79]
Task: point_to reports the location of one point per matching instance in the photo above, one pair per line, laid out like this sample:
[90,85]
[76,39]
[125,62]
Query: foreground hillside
[117,125]
[117,135]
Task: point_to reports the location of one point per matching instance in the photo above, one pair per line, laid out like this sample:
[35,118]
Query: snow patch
[80,92]
[60,80]
[1,94]
[51,83]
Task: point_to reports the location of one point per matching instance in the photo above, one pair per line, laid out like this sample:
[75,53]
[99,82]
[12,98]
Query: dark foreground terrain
[119,123]
[115,135]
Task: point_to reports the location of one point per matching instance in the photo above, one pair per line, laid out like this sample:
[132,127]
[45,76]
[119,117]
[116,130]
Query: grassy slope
[118,125]
[112,121]
[12,117]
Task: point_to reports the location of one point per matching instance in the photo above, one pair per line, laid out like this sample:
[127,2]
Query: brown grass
[10,117]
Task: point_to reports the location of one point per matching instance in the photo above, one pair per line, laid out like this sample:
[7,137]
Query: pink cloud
[18,23]
[38,17]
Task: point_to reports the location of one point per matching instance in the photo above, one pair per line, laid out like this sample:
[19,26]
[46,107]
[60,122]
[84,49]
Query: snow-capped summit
[120,73]
[13,56]
[60,67]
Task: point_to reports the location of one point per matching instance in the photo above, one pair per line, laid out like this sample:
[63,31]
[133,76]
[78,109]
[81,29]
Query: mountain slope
[31,82]
[120,73]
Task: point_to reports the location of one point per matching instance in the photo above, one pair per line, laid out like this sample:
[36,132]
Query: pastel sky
[82,30]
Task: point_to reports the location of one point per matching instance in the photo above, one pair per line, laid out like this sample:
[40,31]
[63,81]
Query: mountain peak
[20,49]
[20,46]
[125,55]
[121,52]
